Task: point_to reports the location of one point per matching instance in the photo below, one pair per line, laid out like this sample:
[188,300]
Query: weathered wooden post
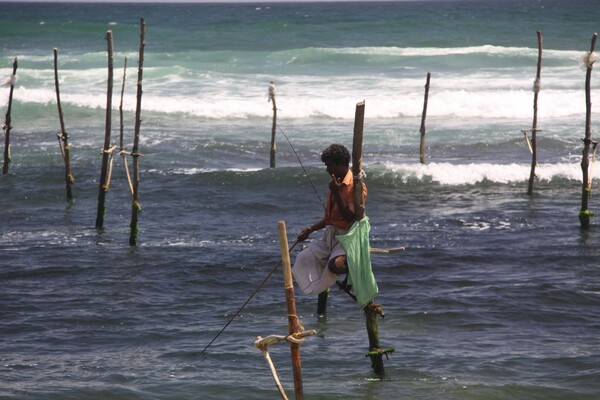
[294,325]
[536,90]
[371,310]
[135,205]
[274,127]
[422,130]
[7,127]
[106,150]
[585,214]
[121,124]
[357,142]
[63,138]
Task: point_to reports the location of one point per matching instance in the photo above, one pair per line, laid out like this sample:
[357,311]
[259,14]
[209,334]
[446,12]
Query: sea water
[497,295]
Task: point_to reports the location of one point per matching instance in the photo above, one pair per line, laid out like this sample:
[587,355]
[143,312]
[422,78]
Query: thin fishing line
[305,173]
[249,298]
[302,165]
[279,263]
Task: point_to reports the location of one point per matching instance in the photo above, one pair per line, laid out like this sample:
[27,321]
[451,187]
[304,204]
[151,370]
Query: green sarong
[358,257]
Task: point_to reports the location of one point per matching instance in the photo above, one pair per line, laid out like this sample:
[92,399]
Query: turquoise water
[497,295]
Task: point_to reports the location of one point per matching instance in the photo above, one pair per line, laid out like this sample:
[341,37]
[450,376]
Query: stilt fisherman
[318,266]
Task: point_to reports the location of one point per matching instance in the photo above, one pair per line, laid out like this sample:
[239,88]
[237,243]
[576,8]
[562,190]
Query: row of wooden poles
[108,149]
[584,214]
[296,332]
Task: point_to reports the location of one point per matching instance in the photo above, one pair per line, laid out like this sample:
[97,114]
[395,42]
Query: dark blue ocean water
[497,295]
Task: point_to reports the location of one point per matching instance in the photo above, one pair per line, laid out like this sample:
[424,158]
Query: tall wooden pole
[7,127]
[293,321]
[103,186]
[63,138]
[423,116]
[584,213]
[274,127]
[135,206]
[536,91]
[371,310]
[121,125]
[357,142]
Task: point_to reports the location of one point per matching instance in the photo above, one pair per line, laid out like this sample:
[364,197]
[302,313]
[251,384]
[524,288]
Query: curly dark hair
[336,153]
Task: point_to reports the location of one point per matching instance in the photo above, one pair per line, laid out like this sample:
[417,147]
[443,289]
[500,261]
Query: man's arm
[304,233]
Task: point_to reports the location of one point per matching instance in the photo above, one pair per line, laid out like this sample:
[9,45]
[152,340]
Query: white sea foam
[337,104]
[486,92]
[467,174]
[445,51]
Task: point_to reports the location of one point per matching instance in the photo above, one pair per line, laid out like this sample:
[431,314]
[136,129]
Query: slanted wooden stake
[294,325]
[135,205]
[106,150]
[536,91]
[63,138]
[7,127]
[422,130]
[122,152]
[584,213]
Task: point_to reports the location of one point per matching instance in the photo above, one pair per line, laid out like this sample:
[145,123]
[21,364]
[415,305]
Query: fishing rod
[249,298]
[278,263]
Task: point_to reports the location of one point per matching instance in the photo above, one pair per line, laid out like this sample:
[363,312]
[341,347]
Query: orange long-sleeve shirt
[333,216]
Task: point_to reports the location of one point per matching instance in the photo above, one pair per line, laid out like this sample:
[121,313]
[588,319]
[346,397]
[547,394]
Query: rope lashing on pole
[110,152]
[296,338]
[589,59]
[61,138]
[537,85]
[263,343]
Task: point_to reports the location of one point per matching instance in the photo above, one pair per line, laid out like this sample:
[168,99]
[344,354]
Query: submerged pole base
[585,217]
[376,353]
[377,359]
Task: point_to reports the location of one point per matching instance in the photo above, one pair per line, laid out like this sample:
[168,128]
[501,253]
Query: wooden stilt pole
[293,321]
[63,138]
[359,121]
[106,152]
[584,213]
[422,130]
[536,91]
[7,121]
[274,127]
[371,310]
[135,206]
